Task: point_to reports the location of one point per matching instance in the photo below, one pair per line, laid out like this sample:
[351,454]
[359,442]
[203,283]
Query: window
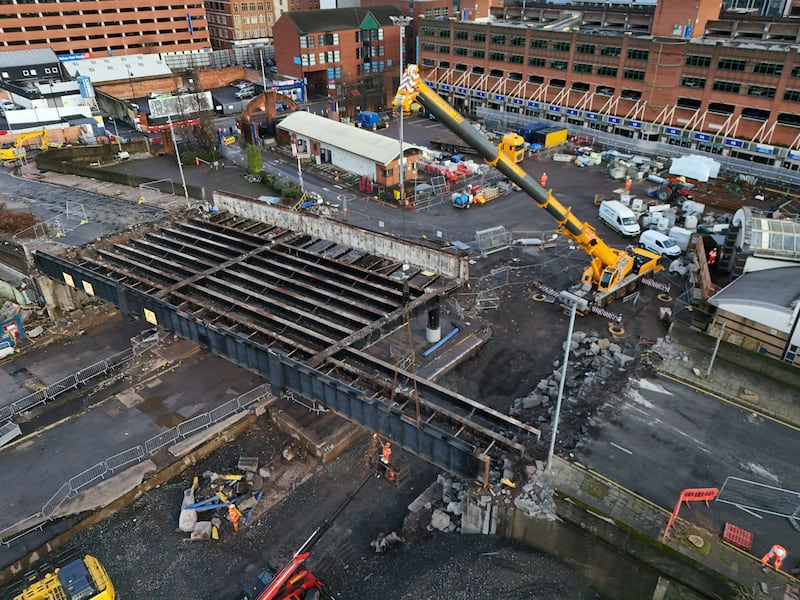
[542,44]
[610,51]
[580,86]
[638,54]
[535,79]
[761,91]
[497,56]
[582,68]
[499,40]
[443,33]
[306,41]
[478,37]
[693,60]
[390,172]
[795,71]
[459,51]
[768,68]
[535,61]
[584,49]
[726,86]
[478,53]
[443,50]
[559,65]
[632,74]
[516,59]
[791,95]
[607,71]
[462,35]
[428,47]
[476,70]
[517,41]
[561,46]
[731,64]
[693,82]
[558,83]
[496,73]
[426,31]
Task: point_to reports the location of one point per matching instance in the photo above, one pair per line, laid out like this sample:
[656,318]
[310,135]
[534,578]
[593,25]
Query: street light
[574,303]
[178,157]
[403,22]
[116,132]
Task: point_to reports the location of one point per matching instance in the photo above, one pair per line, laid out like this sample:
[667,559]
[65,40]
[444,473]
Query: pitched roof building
[346,52]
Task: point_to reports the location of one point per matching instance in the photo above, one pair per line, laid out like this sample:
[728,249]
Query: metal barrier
[73,381]
[136,455]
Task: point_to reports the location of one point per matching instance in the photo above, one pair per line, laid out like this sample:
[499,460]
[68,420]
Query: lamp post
[116,133]
[178,158]
[574,303]
[403,22]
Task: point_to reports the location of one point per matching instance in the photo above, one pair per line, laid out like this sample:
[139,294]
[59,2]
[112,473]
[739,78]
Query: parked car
[245,93]
[7,105]
[243,84]
[657,242]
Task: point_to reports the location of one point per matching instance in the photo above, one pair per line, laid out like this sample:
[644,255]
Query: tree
[254,162]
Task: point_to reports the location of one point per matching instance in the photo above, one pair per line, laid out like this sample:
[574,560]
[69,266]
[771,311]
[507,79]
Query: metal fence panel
[51,506]
[125,458]
[91,474]
[194,424]
[224,410]
[37,397]
[161,440]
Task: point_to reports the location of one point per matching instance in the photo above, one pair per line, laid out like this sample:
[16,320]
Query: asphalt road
[662,437]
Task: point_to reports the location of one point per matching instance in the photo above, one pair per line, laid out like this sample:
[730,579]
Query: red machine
[293,581]
[674,189]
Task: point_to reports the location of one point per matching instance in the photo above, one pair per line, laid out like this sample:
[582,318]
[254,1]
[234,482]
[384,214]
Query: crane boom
[610,268]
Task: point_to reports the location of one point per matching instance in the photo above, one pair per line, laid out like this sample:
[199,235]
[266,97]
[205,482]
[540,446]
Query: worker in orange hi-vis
[543,180]
[627,184]
[234,515]
[712,256]
[778,553]
[386,453]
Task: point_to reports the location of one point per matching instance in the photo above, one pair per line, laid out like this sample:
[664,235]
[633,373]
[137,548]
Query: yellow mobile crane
[17,151]
[612,273]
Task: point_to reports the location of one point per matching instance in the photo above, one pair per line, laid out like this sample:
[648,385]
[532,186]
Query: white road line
[620,448]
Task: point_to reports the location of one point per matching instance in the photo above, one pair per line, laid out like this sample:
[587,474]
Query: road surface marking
[620,448]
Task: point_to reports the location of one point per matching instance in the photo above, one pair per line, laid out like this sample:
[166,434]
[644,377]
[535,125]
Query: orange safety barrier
[689,495]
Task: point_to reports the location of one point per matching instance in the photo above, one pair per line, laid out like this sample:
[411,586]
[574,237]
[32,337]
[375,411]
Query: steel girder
[427,441]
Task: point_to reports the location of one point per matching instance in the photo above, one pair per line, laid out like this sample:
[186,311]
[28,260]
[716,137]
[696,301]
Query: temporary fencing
[111,465]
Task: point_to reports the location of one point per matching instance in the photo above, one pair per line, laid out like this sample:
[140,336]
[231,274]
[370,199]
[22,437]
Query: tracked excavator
[612,273]
[17,151]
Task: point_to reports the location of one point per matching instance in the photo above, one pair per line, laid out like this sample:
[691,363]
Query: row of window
[110,36]
[253,6]
[32,72]
[735,64]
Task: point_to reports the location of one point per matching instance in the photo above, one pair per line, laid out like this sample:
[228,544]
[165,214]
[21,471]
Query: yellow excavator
[83,578]
[17,151]
[612,273]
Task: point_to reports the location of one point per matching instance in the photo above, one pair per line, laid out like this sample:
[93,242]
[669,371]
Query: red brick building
[347,53]
[680,72]
[98,28]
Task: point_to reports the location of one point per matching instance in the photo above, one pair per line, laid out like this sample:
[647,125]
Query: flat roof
[777,288]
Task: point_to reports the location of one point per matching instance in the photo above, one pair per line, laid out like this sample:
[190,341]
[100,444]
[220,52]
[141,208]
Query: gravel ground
[147,557]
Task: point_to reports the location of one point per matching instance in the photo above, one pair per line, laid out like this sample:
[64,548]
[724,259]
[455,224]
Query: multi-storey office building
[679,72]
[100,28]
[237,23]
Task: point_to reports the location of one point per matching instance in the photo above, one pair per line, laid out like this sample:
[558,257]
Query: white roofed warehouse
[357,151]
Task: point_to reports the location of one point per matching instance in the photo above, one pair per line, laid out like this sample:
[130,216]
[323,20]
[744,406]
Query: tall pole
[402,22]
[178,158]
[263,73]
[574,302]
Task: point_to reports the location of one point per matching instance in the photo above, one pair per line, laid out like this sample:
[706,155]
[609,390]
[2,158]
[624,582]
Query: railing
[129,457]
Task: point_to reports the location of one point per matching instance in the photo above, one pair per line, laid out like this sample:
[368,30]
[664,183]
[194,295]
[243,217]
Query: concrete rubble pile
[221,497]
[593,360]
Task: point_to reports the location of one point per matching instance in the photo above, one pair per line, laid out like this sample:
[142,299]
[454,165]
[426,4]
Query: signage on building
[479,93]
[532,104]
[461,90]
[672,131]
[614,120]
[794,154]
[764,149]
[444,87]
[554,108]
[635,124]
[687,32]
[702,137]
[517,101]
[76,56]
[591,116]
[733,143]
[499,97]
[572,112]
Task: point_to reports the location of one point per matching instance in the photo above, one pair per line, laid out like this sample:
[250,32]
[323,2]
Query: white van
[619,217]
[657,242]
